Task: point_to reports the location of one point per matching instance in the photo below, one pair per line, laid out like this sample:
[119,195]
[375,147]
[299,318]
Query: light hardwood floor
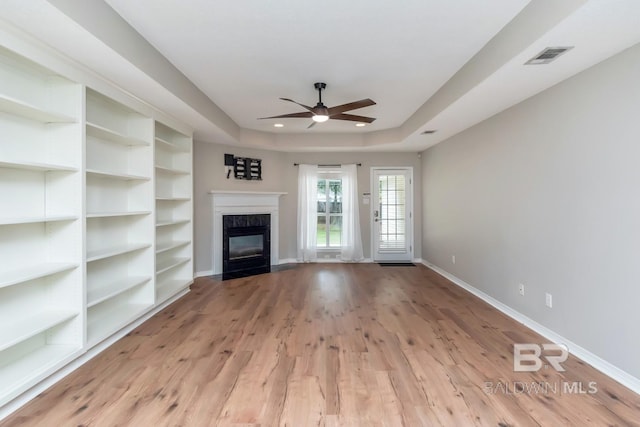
[327,344]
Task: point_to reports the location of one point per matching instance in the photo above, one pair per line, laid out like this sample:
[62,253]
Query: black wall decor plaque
[247,168]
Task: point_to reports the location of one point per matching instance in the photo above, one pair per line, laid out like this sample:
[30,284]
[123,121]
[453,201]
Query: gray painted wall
[546,194]
[279,174]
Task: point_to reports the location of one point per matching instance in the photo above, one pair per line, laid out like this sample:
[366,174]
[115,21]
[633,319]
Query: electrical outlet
[548,300]
[521,289]
[453,259]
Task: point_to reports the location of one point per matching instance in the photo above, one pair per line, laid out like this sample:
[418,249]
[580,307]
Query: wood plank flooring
[328,344]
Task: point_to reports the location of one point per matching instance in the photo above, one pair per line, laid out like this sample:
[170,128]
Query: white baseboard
[280,262]
[328,260]
[597,362]
[320,260]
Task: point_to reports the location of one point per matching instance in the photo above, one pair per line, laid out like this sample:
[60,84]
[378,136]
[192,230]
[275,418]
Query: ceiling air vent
[428,132]
[548,55]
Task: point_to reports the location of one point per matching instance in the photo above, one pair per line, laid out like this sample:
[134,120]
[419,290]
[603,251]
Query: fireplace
[229,203]
[246,245]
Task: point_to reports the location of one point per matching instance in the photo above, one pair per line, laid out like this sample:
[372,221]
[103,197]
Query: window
[329,223]
[328,216]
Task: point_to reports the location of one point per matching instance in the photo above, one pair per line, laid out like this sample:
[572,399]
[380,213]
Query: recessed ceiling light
[360,125]
[278,125]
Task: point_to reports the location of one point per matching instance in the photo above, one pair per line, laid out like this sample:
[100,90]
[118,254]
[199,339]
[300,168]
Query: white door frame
[373,187]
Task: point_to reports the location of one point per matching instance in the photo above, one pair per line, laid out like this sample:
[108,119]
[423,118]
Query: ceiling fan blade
[302,105]
[294,115]
[353,118]
[351,106]
[311,125]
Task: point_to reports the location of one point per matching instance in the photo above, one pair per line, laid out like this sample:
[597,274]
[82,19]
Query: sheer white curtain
[307,212]
[351,238]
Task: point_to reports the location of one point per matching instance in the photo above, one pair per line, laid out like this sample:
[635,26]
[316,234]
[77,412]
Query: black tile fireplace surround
[246,245]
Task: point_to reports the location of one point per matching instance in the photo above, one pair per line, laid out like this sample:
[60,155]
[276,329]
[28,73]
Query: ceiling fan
[320,113]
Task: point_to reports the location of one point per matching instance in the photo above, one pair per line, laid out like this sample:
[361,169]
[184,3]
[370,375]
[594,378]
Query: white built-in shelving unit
[41,321]
[174,210]
[95,218]
[119,206]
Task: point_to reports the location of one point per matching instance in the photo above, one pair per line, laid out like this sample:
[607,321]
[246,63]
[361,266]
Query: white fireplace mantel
[243,203]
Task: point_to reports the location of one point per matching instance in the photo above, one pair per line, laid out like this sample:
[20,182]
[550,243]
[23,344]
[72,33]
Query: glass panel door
[391,215]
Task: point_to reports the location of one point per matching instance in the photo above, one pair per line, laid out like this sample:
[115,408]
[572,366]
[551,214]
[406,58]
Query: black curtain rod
[328,166]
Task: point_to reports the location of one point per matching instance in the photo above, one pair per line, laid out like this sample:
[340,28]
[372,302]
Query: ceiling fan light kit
[320,113]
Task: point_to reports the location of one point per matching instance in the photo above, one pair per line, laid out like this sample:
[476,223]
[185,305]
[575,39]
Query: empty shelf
[23,109]
[31,220]
[19,329]
[20,374]
[170,263]
[20,275]
[109,290]
[173,199]
[36,166]
[171,146]
[98,254]
[111,214]
[169,288]
[116,175]
[107,322]
[172,170]
[163,247]
[168,222]
[102,132]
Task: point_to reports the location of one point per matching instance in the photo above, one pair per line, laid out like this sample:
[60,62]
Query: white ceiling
[246,54]
[436,64]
